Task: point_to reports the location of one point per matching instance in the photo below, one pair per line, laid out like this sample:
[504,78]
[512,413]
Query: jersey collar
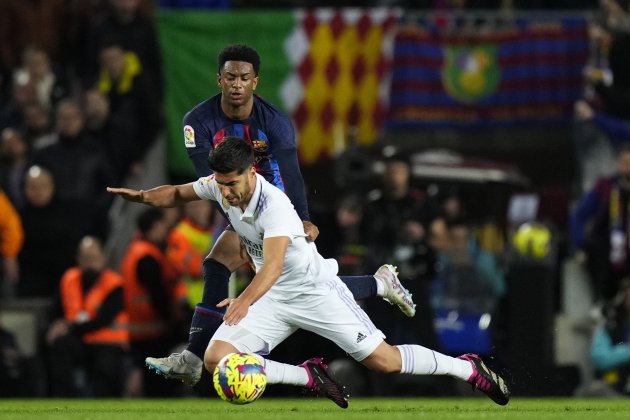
[253,203]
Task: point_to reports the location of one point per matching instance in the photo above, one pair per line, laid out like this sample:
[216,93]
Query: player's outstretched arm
[162,196]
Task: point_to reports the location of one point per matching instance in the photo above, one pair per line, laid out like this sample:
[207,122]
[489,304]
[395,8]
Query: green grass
[278,409]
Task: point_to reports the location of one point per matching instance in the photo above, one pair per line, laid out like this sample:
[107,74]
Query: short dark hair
[232,154]
[397,158]
[239,52]
[149,218]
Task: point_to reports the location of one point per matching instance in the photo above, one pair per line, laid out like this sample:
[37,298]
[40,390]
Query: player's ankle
[380,287]
[192,358]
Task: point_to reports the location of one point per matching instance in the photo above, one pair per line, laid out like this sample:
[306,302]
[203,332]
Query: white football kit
[308,294]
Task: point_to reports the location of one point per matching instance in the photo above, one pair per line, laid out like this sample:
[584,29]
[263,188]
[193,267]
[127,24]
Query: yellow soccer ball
[239,378]
[532,240]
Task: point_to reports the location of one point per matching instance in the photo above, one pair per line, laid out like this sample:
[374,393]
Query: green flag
[191,41]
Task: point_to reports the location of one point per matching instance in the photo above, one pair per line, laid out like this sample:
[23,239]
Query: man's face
[396,175]
[623,165]
[69,120]
[38,64]
[236,189]
[12,144]
[238,82]
[39,189]
[112,60]
[91,256]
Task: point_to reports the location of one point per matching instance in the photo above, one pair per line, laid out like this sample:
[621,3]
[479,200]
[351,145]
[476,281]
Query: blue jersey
[267,129]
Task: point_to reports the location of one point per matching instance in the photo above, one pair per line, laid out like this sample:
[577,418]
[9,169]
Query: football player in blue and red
[237,111]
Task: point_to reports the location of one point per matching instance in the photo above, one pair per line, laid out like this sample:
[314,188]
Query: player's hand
[237,310]
[11,269]
[311,230]
[127,194]
[57,329]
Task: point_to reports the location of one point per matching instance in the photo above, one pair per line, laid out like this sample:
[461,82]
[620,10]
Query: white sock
[191,358]
[380,287]
[283,373]
[419,360]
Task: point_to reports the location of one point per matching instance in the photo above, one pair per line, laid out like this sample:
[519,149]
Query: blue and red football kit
[267,129]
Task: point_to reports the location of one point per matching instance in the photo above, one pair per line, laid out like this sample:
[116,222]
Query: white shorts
[334,315]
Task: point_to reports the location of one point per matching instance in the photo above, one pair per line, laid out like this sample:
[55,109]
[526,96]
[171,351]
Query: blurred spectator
[78,166]
[21,93]
[609,74]
[396,218]
[89,343]
[399,216]
[52,230]
[24,23]
[154,299]
[467,277]
[134,106]
[11,361]
[610,346]
[14,157]
[11,241]
[129,22]
[599,226]
[450,208]
[349,236]
[37,126]
[113,134]
[49,84]
[190,241]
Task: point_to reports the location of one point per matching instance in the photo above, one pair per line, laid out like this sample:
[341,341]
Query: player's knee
[211,360]
[227,251]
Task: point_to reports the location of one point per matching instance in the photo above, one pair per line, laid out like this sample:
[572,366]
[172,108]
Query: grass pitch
[280,409]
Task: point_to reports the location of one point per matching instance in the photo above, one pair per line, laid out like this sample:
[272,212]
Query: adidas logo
[361,337]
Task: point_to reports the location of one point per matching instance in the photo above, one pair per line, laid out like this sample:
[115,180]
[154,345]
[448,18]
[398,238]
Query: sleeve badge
[189,136]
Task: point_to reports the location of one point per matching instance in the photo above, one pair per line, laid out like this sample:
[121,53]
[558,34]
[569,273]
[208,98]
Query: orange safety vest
[188,244]
[144,321]
[80,307]
[12,237]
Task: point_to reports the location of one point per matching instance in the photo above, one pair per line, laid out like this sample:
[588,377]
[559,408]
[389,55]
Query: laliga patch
[189,136]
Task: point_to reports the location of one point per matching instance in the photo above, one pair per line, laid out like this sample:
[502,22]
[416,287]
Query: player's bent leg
[312,374]
[385,358]
[227,251]
[188,365]
[216,351]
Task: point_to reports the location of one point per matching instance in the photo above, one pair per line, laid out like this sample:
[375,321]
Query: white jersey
[271,214]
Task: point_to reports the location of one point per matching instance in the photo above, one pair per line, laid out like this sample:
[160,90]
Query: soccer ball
[239,378]
[532,240]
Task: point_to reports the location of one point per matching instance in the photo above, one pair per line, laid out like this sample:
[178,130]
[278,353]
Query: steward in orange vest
[81,305]
[190,241]
[155,300]
[152,290]
[89,344]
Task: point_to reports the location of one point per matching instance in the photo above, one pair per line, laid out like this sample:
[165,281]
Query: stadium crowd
[81,94]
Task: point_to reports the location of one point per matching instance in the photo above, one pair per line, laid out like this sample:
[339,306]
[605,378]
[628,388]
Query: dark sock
[362,287]
[207,316]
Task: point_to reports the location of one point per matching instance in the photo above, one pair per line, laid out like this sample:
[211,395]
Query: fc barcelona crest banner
[529,72]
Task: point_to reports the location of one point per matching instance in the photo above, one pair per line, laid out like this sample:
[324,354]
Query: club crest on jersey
[260,145]
[189,136]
